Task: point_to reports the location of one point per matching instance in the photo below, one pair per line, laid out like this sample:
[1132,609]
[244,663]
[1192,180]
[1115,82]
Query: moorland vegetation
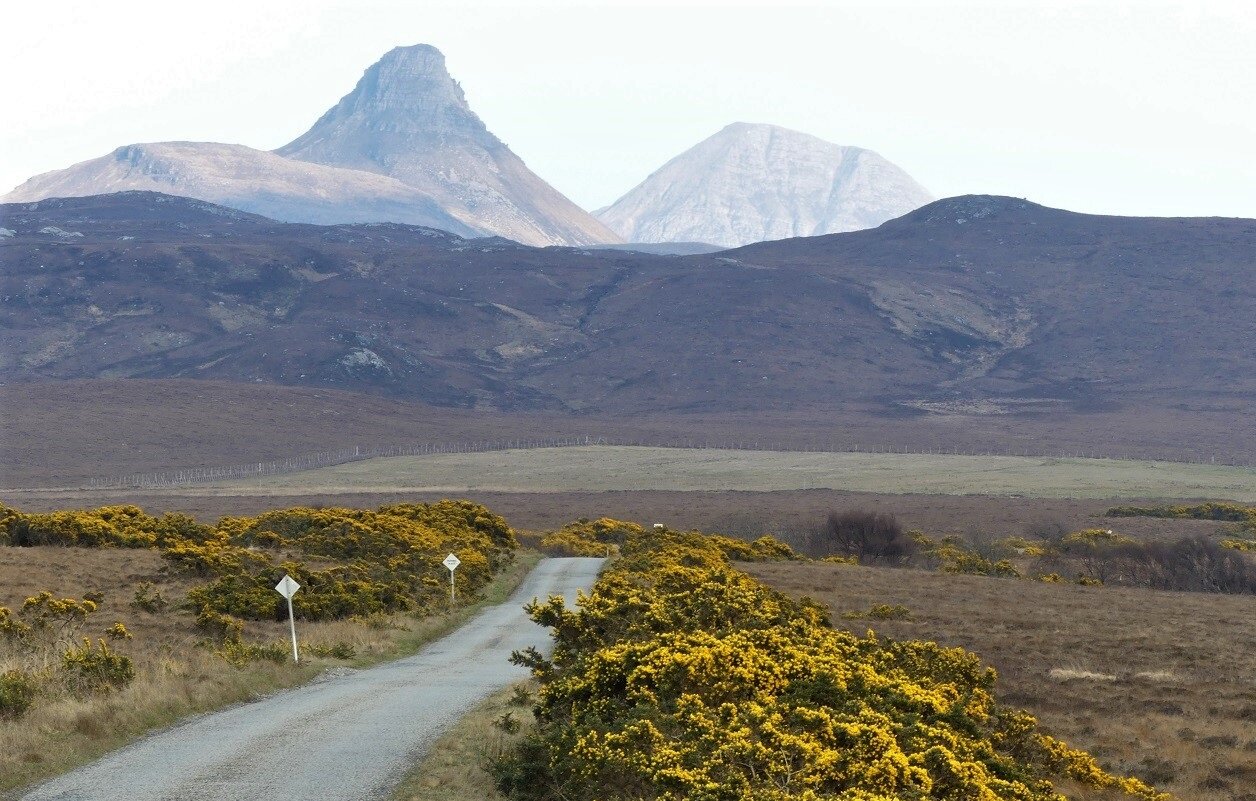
[88,671]
[1056,554]
[680,676]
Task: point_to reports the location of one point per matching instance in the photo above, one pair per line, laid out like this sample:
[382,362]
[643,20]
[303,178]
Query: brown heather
[1157,685]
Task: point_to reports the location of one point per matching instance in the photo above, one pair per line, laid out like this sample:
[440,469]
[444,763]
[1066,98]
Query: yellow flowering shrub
[1239,545]
[953,556]
[1095,538]
[1024,546]
[592,537]
[680,677]
[108,526]
[96,668]
[349,562]
[881,612]
[604,530]
[566,542]
[1230,512]
[44,635]
[840,560]
[18,689]
[370,562]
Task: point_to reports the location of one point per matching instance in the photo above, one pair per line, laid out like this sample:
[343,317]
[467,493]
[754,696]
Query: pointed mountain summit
[751,182]
[409,120]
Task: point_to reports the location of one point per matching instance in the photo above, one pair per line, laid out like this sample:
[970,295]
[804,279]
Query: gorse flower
[680,677]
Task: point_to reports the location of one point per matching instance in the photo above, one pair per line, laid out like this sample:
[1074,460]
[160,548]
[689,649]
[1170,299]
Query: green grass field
[603,468]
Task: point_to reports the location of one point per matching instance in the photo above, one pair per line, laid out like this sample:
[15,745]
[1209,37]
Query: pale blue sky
[1111,107]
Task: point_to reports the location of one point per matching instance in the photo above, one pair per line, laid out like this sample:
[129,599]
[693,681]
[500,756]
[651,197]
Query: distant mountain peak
[407,118]
[751,182]
[407,93]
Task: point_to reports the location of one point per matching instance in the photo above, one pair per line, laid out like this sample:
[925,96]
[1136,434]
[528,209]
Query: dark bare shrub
[1051,532]
[871,537]
[1190,564]
[1201,565]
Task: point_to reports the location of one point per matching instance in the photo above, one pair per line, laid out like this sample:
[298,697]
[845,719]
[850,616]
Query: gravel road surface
[342,738]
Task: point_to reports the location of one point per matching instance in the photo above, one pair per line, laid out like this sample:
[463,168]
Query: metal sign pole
[292,624]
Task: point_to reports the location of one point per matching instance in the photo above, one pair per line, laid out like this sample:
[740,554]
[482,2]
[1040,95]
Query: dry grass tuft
[1069,674]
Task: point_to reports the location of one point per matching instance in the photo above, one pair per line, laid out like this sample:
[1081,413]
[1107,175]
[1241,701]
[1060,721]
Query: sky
[1140,108]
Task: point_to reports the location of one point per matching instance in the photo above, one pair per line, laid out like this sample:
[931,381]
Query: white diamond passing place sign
[287,587]
[452,562]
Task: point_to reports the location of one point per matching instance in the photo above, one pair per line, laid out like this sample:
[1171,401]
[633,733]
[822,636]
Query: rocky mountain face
[403,147]
[408,119]
[985,306]
[750,183]
[250,180]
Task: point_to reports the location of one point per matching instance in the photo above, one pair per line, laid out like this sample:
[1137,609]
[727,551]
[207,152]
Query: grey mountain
[247,179]
[408,119]
[750,183]
[403,147]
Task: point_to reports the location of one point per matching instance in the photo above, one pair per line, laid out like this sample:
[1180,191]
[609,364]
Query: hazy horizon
[1116,108]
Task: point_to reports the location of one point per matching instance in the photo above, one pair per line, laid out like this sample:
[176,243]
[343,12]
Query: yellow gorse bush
[1248,546]
[565,542]
[1231,512]
[952,555]
[592,537]
[39,647]
[680,677]
[349,562]
[108,526]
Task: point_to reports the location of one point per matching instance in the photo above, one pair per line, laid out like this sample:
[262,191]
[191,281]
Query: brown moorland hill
[973,305]
[973,324]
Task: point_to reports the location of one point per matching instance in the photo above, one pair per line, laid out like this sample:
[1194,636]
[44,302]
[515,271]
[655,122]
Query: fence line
[311,461]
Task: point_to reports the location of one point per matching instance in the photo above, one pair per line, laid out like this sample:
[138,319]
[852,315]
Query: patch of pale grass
[604,468]
[1079,674]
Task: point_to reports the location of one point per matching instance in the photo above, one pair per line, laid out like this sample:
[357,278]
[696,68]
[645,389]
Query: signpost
[288,588]
[452,563]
